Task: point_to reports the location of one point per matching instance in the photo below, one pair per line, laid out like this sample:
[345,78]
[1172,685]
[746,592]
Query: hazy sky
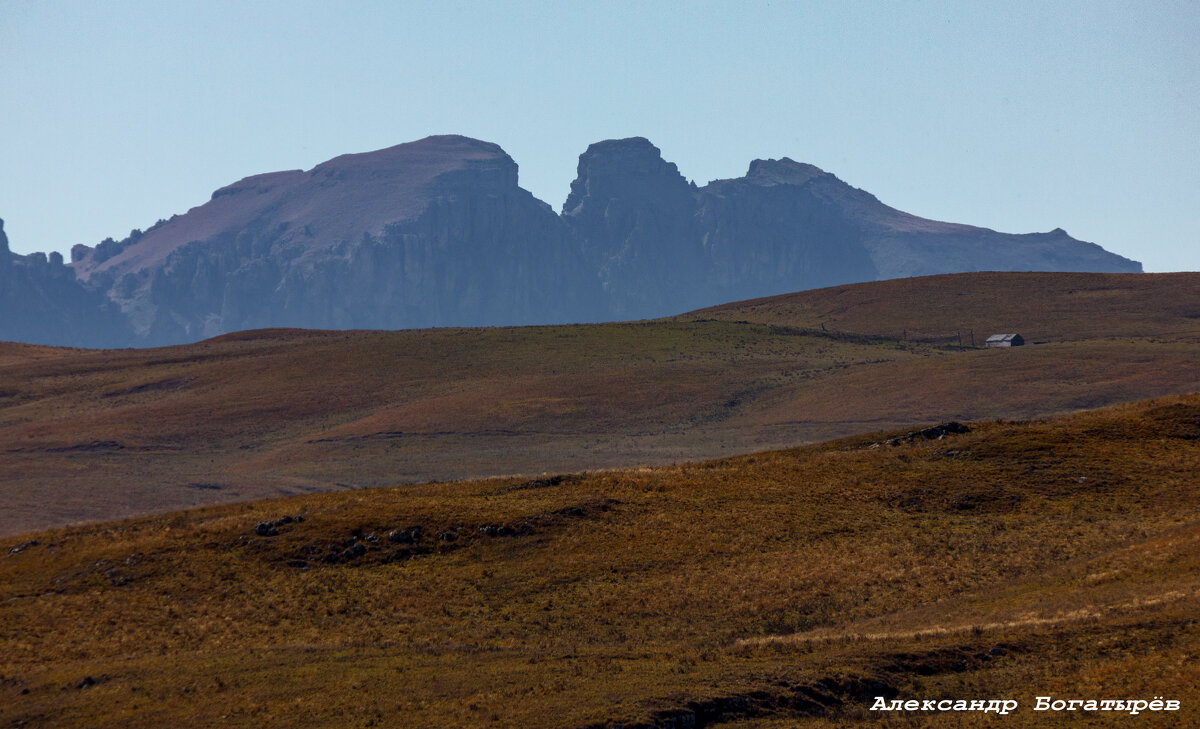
[1017,116]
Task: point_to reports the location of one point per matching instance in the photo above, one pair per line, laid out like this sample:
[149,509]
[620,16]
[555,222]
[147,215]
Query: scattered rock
[538,483]
[23,546]
[271,528]
[116,577]
[394,545]
[937,432]
[408,535]
[405,536]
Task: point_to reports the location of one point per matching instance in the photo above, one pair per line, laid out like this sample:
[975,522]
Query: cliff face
[766,233]
[662,246]
[438,233]
[901,245]
[634,218]
[41,302]
[432,233]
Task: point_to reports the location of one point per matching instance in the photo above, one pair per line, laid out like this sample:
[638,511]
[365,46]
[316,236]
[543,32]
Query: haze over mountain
[41,301]
[438,233]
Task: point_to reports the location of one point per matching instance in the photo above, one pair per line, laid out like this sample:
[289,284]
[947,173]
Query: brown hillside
[1051,558]
[1053,307]
[89,435]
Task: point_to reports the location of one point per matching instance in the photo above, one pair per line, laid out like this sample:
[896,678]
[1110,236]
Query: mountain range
[438,232]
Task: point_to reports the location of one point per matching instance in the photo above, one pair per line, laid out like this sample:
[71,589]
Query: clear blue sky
[1019,116]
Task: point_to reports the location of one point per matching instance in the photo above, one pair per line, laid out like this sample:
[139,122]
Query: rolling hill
[93,435]
[1056,307]
[1049,558]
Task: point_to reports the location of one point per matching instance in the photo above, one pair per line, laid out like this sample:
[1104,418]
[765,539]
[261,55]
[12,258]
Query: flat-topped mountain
[431,233]
[438,232]
[338,200]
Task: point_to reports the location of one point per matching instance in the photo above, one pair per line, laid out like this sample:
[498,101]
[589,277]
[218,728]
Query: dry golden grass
[796,583]
[91,435]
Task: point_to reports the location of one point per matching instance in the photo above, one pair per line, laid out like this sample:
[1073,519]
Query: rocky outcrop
[41,302]
[766,233]
[662,246]
[634,217]
[439,233]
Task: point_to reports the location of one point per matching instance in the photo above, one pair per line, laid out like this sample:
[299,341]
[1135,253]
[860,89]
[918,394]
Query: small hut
[1005,340]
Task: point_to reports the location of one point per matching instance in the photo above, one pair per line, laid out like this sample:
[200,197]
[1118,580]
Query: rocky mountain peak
[633,216]
[623,168]
[423,159]
[437,232]
[785,171]
[3,238]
